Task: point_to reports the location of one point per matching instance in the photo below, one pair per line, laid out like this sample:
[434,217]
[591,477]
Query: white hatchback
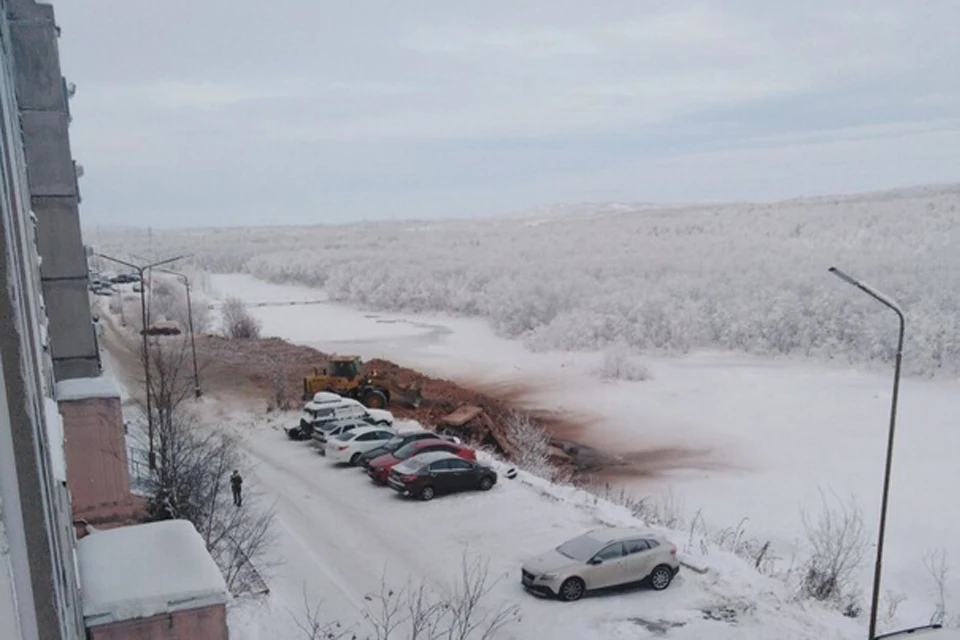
[601,558]
[348,447]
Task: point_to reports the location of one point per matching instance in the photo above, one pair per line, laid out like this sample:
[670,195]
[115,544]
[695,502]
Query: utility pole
[878,564]
[193,344]
[151,456]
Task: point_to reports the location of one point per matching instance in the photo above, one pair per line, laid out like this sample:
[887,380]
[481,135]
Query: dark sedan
[393,444]
[437,472]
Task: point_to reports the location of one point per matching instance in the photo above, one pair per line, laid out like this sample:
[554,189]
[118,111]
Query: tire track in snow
[355,529]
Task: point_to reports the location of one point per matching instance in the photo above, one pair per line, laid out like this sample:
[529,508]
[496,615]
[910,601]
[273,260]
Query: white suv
[322,411]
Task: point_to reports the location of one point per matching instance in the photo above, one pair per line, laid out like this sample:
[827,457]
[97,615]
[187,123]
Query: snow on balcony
[87,388]
[146,570]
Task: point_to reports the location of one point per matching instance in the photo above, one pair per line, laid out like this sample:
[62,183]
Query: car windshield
[410,466]
[392,444]
[581,548]
[406,451]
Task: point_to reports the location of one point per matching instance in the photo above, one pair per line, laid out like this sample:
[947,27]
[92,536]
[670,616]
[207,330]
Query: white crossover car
[601,558]
[348,447]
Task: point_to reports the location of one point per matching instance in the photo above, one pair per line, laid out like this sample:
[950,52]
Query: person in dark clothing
[236,484]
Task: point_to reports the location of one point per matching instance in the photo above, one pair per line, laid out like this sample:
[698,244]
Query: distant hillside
[745,276]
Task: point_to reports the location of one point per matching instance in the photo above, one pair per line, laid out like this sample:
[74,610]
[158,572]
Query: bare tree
[191,482]
[837,543]
[416,612]
[313,626]
[467,619]
[169,299]
[238,323]
[936,564]
[171,380]
[191,477]
[279,390]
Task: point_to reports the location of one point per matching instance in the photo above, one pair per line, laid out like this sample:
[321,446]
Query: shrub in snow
[935,562]
[836,543]
[238,323]
[532,444]
[618,365]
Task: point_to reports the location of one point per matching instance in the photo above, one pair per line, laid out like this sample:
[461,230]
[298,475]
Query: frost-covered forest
[746,277]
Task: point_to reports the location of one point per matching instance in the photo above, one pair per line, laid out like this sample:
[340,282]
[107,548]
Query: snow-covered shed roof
[87,388]
[146,570]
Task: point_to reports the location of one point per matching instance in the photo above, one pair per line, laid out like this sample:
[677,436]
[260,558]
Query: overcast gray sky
[233,112]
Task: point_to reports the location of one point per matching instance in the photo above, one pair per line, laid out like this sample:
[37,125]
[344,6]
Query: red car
[379,468]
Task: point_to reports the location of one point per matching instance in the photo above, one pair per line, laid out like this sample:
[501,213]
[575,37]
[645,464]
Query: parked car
[398,441]
[125,278]
[379,468]
[349,446]
[330,430]
[437,472]
[327,409]
[602,558]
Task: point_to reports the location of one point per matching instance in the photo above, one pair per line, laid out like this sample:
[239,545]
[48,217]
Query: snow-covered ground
[340,538]
[756,439]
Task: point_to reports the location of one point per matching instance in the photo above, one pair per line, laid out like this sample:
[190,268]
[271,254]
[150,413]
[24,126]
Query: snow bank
[87,388]
[146,570]
[54,424]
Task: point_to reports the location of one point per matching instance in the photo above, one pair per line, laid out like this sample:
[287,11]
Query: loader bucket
[412,396]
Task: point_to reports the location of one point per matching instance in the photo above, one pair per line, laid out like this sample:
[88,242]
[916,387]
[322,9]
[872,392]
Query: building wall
[36,505]
[54,195]
[205,623]
[96,454]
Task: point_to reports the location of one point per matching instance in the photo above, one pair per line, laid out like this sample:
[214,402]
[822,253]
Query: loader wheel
[375,400]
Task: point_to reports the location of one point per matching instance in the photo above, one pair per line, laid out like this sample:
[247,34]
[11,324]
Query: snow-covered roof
[58,463]
[145,570]
[86,388]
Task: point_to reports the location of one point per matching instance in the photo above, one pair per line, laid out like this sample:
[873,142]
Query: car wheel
[486,484]
[661,577]
[572,589]
[354,459]
[427,494]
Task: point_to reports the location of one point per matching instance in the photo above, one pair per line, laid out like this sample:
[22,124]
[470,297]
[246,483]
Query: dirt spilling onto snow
[245,373]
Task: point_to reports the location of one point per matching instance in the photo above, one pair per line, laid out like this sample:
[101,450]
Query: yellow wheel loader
[343,376]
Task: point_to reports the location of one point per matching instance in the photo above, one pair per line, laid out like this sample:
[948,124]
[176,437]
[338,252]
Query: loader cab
[344,367]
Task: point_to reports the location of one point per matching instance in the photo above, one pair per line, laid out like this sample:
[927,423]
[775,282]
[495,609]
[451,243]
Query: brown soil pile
[244,373]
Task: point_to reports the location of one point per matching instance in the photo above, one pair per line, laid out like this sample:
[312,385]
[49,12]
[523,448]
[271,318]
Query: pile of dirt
[248,374]
[252,370]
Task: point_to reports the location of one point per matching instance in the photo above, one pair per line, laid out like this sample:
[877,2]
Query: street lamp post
[889,303]
[193,345]
[151,456]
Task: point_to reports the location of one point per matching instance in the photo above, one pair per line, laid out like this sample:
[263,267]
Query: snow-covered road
[342,537]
